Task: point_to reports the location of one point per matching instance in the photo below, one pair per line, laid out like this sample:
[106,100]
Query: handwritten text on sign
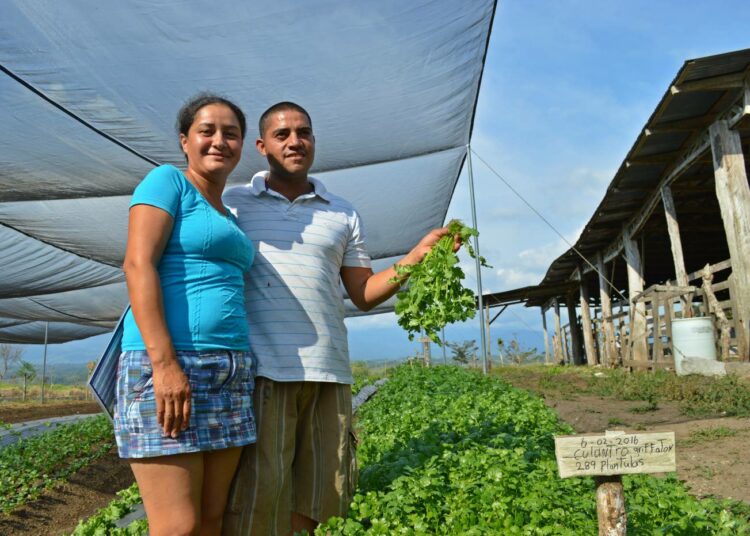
[615,453]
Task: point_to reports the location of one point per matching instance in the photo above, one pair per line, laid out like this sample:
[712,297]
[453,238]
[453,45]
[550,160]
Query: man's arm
[367,289]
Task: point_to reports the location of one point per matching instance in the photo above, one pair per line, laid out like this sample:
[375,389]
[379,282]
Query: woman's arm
[148,232]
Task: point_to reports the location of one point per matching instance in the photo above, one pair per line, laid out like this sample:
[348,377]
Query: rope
[572,247]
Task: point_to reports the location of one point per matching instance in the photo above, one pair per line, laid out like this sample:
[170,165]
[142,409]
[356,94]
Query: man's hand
[366,290]
[424,246]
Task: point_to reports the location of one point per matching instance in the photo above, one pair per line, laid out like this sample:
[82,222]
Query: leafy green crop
[446,451]
[103,522]
[32,465]
[435,295]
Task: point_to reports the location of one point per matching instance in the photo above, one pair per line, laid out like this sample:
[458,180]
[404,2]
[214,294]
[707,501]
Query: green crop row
[103,522]
[447,451]
[32,465]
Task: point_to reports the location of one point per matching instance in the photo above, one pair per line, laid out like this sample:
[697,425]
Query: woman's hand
[173,398]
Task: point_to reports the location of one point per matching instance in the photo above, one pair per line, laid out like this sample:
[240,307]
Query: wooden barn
[669,241]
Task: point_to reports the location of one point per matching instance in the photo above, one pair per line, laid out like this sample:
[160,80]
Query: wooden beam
[637,343]
[588,335]
[733,194]
[651,159]
[699,147]
[608,328]
[733,115]
[675,242]
[546,337]
[713,83]
[575,332]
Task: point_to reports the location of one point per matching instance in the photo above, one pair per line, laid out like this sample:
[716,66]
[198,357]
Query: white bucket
[693,338]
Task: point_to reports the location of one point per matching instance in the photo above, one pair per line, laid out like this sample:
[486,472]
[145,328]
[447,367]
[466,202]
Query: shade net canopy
[89,91]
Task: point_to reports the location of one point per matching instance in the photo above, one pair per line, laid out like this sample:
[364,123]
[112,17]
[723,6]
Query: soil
[58,511]
[12,412]
[717,467]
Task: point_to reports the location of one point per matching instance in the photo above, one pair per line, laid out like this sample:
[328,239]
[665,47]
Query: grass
[709,434]
[695,395]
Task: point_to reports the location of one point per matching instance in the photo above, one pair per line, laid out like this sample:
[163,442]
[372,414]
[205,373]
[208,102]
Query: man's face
[288,144]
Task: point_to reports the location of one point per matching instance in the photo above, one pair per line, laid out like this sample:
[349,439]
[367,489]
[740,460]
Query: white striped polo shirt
[295,308]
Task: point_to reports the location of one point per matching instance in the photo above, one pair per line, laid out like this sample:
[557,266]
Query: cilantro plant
[32,465]
[435,295]
[104,521]
[445,451]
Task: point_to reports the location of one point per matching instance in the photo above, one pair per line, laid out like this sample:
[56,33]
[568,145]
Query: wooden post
[733,193]
[637,343]
[676,243]
[559,355]
[588,336]
[714,308]
[575,332]
[426,357]
[546,336]
[658,351]
[608,328]
[610,506]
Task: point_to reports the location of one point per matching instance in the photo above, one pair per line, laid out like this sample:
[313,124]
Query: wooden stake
[610,506]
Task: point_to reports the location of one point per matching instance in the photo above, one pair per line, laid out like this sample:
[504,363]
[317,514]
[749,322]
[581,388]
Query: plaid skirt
[222,384]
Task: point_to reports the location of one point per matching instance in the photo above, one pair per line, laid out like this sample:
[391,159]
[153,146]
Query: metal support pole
[442,335]
[478,265]
[44,359]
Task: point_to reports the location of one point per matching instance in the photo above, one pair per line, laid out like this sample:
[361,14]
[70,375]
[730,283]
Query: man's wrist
[410,259]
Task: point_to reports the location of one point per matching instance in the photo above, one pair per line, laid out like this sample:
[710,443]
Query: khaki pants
[303,461]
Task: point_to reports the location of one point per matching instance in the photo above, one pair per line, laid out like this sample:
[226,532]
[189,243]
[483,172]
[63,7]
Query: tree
[515,353]
[28,373]
[9,356]
[463,352]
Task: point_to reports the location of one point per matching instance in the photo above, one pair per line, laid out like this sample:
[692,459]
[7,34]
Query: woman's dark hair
[186,115]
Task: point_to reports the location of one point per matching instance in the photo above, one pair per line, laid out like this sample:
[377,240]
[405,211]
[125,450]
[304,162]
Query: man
[301,471]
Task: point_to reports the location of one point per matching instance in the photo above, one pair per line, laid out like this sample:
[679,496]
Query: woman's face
[213,144]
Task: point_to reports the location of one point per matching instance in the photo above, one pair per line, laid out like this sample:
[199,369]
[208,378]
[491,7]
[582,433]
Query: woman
[185,378]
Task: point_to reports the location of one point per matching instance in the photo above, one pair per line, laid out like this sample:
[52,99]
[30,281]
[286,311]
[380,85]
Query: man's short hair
[278,107]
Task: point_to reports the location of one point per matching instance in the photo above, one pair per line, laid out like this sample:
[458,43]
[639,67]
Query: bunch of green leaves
[446,451]
[435,295]
[32,465]
[103,523]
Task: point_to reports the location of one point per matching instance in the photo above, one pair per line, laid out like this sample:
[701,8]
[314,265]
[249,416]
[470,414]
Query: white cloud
[513,277]
[384,320]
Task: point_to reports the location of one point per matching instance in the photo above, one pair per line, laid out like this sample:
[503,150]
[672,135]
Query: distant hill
[61,373]
[79,352]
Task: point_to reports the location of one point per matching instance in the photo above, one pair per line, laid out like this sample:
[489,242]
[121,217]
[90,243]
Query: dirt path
[12,412]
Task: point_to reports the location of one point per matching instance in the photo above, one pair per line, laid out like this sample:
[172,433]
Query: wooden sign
[615,453]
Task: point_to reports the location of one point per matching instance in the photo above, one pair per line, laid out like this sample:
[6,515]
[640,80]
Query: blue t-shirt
[201,270]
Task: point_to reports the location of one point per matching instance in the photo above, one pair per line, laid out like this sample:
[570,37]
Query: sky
[567,86]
